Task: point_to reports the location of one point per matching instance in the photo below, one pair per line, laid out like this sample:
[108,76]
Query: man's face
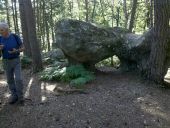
[3,32]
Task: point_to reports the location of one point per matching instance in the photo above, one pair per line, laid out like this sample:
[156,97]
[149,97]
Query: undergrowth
[26,61]
[76,75]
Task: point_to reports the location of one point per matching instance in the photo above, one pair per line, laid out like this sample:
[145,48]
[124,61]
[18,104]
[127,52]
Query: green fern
[78,82]
[25,61]
[76,75]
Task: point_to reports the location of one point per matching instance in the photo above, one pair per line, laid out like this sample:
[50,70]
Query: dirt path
[113,100]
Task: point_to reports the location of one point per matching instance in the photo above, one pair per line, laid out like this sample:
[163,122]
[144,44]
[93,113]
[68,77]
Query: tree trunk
[27,50]
[38,21]
[112,12]
[93,13]
[133,12]
[13,15]
[34,6]
[35,49]
[70,8]
[43,25]
[151,14]
[125,13]
[16,16]
[52,22]
[78,4]
[157,65]
[102,13]
[117,16]
[7,12]
[87,10]
[47,32]
[112,8]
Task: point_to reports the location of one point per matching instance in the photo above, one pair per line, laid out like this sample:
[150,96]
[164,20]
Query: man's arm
[20,49]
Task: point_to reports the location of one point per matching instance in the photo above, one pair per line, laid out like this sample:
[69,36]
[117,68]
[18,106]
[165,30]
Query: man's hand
[13,51]
[1,47]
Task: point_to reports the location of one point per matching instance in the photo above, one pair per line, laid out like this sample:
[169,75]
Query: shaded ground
[113,100]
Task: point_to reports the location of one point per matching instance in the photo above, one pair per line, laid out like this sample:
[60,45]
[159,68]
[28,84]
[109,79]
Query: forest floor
[113,100]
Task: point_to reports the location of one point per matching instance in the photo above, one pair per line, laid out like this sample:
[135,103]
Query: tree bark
[102,12]
[16,16]
[70,8]
[78,4]
[112,8]
[47,32]
[35,49]
[151,14]
[125,13]
[52,22]
[93,12]
[87,10]
[13,15]
[157,63]
[7,12]
[132,18]
[26,42]
[117,16]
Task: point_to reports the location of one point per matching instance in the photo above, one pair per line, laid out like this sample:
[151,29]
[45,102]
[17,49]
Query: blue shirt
[10,42]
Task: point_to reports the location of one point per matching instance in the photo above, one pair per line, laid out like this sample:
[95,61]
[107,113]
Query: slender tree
[7,12]
[132,18]
[52,20]
[117,16]
[47,32]
[16,16]
[87,10]
[43,20]
[125,13]
[112,8]
[27,50]
[102,11]
[13,16]
[94,9]
[35,49]
[78,4]
[151,13]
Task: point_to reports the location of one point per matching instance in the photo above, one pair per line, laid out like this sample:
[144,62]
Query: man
[11,46]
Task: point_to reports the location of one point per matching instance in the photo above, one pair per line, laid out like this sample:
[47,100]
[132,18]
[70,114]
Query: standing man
[11,46]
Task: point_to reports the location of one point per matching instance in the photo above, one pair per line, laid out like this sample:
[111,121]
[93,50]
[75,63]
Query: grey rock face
[85,43]
[54,54]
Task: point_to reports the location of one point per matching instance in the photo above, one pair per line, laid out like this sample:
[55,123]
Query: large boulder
[54,54]
[88,44]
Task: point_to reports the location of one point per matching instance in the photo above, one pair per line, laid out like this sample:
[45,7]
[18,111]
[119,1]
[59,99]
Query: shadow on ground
[114,100]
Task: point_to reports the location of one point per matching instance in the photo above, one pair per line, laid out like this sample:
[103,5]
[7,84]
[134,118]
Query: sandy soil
[113,100]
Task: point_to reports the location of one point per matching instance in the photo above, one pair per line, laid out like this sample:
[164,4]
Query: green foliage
[48,60]
[106,62]
[141,18]
[114,62]
[26,61]
[76,75]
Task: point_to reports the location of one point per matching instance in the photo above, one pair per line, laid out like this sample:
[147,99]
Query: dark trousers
[12,69]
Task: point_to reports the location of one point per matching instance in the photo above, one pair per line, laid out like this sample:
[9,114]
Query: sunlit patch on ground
[47,86]
[149,105]
[28,87]
[43,98]
[167,76]
[7,95]
[46,89]
[2,83]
